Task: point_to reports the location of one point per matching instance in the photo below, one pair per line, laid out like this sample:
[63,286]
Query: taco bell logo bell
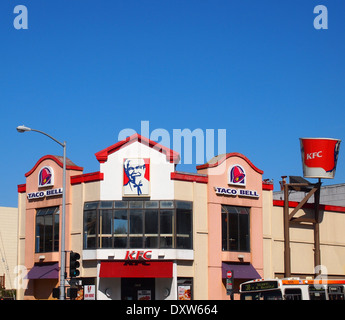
[237,175]
[46,177]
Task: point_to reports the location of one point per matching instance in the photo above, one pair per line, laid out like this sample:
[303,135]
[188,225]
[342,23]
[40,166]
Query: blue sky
[85,70]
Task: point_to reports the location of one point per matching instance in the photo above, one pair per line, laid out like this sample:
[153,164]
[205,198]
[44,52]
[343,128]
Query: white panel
[162,187]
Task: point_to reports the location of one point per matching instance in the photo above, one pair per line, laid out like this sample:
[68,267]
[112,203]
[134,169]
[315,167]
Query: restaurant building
[147,231]
[139,225]
[235,217]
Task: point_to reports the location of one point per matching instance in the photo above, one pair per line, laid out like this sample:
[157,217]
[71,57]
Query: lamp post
[62,246]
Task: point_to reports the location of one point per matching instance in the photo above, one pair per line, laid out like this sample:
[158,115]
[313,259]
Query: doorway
[138,289]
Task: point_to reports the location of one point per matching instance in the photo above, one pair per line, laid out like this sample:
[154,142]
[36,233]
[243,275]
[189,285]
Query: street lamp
[22,129]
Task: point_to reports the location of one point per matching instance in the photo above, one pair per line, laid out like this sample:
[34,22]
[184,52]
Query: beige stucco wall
[8,244]
[196,192]
[332,242]
[81,193]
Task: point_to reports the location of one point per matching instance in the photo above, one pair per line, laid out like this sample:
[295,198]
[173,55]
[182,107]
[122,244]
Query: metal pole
[62,244]
[317,253]
[287,261]
[62,248]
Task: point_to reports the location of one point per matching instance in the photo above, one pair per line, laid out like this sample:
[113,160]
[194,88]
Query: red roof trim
[21,188]
[50,157]
[267,186]
[324,207]
[188,177]
[228,155]
[172,156]
[87,177]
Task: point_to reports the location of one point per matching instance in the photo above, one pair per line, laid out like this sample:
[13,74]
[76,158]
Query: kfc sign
[138,255]
[136,177]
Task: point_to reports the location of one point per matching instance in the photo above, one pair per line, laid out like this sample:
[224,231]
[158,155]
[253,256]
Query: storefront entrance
[138,289]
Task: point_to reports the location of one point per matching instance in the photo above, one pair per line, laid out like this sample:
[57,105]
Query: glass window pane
[41,212]
[166,222]
[56,231]
[106,218]
[121,204]
[136,242]
[151,204]
[151,222]
[244,232]
[107,242]
[136,221]
[184,228]
[106,205]
[90,229]
[48,233]
[167,204]
[120,222]
[184,205]
[90,205]
[183,242]
[39,233]
[183,221]
[136,204]
[165,242]
[120,242]
[151,242]
[225,231]
[233,232]
[105,225]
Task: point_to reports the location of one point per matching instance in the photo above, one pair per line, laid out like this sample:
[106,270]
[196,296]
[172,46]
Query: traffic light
[74,264]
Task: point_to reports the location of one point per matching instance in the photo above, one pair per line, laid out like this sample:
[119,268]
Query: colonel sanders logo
[136,177]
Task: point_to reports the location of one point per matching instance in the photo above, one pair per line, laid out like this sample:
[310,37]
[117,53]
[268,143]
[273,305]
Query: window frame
[241,238]
[54,214]
[166,239]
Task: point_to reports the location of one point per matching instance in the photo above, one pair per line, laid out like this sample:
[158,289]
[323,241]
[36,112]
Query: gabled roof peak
[171,155]
[217,160]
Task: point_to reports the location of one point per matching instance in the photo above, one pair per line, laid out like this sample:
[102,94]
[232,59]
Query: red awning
[130,269]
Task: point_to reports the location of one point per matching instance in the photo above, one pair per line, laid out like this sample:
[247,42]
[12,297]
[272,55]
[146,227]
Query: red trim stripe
[21,188]
[87,177]
[267,186]
[188,177]
[324,207]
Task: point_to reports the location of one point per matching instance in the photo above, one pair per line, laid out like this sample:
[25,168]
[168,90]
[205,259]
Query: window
[335,292]
[47,230]
[138,224]
[317,292]
[235,228]
[183,224]
[293,294]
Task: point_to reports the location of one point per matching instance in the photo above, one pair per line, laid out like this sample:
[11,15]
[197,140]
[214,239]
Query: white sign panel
[90,292]
[236,192]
